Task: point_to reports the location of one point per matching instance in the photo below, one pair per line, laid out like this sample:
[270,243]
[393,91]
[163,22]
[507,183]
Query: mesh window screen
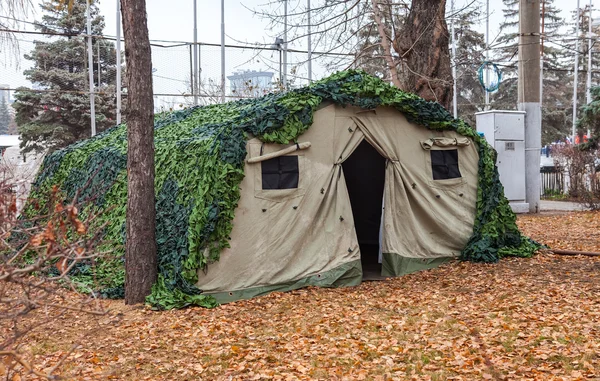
[280,173]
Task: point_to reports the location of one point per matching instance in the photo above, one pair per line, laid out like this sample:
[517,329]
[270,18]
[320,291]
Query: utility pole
[118,62]
[529,96]
[91,69]
[575,76]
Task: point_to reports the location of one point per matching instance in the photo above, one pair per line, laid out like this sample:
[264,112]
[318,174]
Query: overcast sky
[173,21]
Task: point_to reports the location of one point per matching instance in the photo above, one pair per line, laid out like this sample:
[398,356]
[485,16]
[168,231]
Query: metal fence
[177,80]
[552,182]
[558,182]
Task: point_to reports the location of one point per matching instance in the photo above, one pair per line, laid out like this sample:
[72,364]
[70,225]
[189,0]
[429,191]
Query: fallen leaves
[567,231]
[533,319]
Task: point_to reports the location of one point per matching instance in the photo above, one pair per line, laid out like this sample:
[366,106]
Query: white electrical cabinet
[505,131]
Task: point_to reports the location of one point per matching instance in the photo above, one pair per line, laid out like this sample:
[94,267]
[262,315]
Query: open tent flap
[364,172]
[423,218]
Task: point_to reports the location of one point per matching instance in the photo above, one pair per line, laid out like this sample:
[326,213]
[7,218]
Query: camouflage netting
[200,155]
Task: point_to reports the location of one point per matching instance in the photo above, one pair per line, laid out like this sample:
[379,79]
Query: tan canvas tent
[314,186]
[300,222]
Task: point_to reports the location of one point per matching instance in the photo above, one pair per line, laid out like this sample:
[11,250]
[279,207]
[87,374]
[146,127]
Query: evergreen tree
[370,52]
[470,53]
[5,117]
[59,113]
[556,93]
[584,51]
[590,118]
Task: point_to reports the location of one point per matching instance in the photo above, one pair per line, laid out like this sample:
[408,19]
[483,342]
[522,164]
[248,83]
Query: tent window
[444,164]
[280,173]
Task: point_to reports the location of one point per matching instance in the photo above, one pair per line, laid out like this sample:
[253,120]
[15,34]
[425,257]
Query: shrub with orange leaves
[36,257]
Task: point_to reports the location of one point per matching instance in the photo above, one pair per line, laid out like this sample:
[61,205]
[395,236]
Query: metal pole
[118,85]
[358,50]
[454,96]
[223,51]
[192,90]
[285,43]
[91,69]
[195,76]
[589,66]
[529,96]
[542,52]
[575,77]
[588,85]
[310,45]
[487,52]
[98,46]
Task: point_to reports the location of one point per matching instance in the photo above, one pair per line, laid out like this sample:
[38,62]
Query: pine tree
[470,53]
[5,117]
[370,52]
[59,114]
[555,94]
[583,48]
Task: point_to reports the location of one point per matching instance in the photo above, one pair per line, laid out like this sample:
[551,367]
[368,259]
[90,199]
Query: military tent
[306,187]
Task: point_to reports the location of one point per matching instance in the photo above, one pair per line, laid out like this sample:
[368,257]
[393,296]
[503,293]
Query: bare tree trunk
[140,254]
[422,45]
[385,43]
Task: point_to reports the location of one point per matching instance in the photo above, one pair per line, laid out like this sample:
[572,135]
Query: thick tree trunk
[140,254]
[422,45]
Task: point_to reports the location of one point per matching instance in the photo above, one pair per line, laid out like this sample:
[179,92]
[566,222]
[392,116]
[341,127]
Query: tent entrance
[364,172]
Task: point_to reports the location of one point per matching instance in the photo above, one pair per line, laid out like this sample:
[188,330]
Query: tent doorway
[364,171]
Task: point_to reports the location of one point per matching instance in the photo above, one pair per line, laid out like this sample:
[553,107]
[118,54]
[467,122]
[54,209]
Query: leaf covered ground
[520,319]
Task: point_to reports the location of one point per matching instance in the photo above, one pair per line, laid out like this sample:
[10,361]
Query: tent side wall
[285,239]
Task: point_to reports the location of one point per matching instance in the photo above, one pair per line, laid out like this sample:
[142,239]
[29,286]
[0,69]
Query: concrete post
[529,96]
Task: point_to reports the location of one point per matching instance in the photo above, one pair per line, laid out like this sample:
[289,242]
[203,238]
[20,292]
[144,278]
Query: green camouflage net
[200,155]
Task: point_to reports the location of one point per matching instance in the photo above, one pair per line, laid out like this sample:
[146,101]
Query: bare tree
[140,252]
[412,37]
[422,47]
[50,241]
[12,11]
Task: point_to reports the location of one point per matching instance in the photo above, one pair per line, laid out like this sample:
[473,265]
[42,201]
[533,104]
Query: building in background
[250,83]
[7,113]
[17,171]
